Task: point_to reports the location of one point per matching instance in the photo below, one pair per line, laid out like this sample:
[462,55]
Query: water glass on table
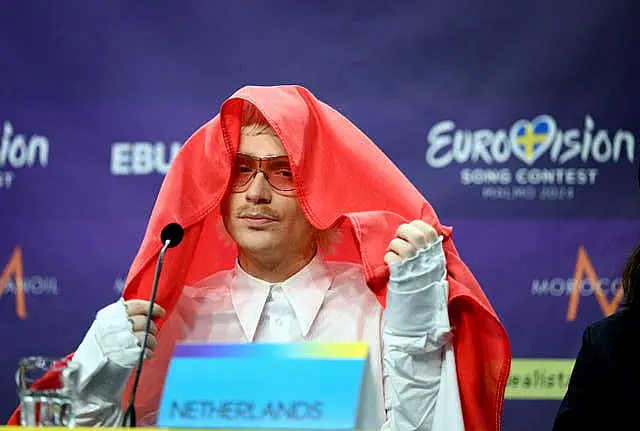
[48,390]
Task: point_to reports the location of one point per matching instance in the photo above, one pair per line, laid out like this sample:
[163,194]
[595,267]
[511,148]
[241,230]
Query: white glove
[111,347]
[115,335]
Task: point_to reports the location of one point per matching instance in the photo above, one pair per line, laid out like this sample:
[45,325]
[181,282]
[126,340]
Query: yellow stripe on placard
[337,350]
[538,379]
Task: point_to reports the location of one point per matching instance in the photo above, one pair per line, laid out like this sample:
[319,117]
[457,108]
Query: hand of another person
[410,238]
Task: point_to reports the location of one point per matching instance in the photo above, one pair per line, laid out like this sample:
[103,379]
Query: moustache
[250,210]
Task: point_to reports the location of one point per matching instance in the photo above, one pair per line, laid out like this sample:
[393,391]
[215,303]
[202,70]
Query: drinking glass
[48,391]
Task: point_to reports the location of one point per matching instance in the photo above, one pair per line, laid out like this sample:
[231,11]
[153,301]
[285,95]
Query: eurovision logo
[19,151]
[541,145]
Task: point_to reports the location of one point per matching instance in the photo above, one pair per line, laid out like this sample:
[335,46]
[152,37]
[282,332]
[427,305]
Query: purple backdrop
[518,122]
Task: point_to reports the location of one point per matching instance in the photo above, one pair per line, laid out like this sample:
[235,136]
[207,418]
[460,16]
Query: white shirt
[411,359]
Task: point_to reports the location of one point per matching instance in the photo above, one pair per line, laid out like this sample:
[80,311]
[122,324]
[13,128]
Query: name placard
[307,386]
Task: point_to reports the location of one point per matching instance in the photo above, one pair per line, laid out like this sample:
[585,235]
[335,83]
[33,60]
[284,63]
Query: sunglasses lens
[241,176]
[281,179]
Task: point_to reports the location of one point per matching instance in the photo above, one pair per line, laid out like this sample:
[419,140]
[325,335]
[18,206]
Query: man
[298,228]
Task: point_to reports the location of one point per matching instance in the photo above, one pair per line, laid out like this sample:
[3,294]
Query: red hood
[339,173]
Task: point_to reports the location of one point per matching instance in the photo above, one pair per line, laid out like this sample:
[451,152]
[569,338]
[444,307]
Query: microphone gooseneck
[171,236]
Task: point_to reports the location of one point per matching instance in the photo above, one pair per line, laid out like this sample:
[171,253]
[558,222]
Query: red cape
[342,179]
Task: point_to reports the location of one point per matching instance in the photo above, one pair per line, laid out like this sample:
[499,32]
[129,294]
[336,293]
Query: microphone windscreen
[172,232]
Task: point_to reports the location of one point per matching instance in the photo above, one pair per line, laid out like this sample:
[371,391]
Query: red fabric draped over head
[343,181]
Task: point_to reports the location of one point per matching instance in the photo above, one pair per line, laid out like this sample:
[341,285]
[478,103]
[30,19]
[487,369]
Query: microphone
[170,236]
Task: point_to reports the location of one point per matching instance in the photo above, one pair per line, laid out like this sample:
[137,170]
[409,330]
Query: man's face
[258,216]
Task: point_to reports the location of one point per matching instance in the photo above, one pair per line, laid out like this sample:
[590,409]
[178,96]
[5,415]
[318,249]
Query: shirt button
[279,322]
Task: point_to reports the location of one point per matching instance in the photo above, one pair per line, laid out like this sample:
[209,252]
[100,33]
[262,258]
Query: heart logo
[530,140]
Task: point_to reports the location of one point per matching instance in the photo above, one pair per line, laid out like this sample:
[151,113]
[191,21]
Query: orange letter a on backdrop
[14,268]
[584,267]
